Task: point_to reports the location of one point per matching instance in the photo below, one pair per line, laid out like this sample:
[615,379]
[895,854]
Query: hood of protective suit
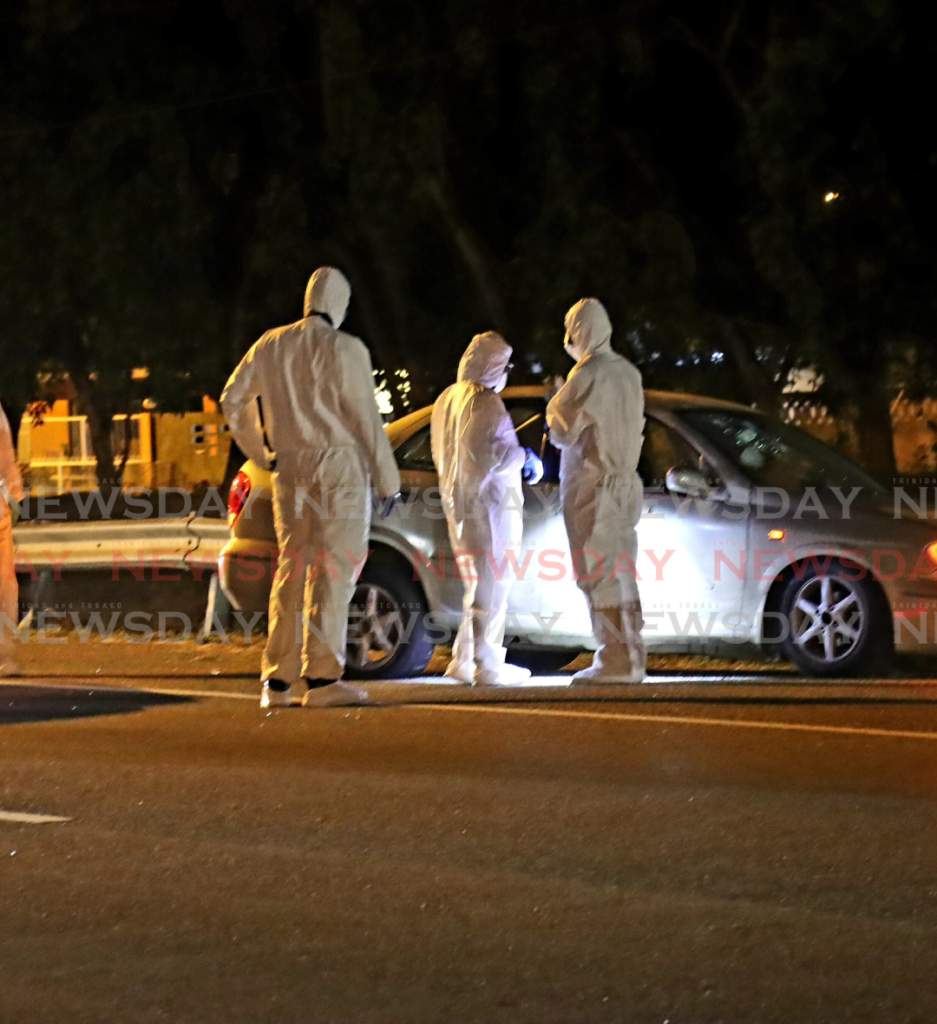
[588,329]
[328,292]
[485,361]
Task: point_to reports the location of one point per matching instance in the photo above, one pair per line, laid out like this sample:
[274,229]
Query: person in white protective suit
[480,463]
[596,419]
[319,430]
[11,490]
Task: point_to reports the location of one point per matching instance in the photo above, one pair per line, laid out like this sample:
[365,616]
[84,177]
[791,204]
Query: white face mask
[502,384]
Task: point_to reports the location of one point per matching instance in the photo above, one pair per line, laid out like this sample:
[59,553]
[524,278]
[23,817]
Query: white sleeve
[364,418]
[239,404]
[566,414]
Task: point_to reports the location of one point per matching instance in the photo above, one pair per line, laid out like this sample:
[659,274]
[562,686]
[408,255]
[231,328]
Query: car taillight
[931,551]
[237,496]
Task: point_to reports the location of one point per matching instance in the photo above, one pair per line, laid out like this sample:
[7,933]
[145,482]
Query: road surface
[695,850]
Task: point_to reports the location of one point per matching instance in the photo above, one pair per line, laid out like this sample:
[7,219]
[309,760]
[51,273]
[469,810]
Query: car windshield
[772,454]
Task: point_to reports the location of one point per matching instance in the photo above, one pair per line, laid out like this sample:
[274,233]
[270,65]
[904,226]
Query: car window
[415,453]
[664,449]
[773,454]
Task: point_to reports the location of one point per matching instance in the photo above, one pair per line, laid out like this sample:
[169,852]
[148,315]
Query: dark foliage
[172,171]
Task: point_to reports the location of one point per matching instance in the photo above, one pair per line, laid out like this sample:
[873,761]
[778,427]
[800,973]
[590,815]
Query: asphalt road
[735,850]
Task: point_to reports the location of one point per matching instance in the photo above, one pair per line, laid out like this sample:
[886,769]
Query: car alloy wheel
[836,621]
[827,619]
[375,628]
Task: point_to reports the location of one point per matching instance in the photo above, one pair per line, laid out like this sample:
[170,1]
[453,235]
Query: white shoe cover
[275,698]
[335,695]
[620,657]
[501,675]
[596,676]
[461,671]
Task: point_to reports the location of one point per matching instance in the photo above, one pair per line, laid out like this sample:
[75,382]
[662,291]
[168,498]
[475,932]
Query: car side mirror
[686,481]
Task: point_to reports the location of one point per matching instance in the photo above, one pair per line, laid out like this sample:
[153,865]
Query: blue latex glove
[532,473]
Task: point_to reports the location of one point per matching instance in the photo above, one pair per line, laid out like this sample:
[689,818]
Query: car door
[690,594]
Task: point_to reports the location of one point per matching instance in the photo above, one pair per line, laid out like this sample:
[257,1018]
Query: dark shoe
[316,684]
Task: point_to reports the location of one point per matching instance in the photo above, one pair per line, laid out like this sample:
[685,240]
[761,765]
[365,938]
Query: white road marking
[731,723]
[518,709]
[30,819]
[226,694]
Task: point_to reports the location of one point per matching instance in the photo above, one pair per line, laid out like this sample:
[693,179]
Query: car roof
[671,400]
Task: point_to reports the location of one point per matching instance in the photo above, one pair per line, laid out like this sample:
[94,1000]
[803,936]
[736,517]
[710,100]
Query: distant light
[830,196]
[775,535]
[384,404]
[717,357]
[536,367]
[802,380]
[140,373]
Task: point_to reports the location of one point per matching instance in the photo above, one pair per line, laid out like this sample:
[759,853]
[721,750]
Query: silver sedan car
[752,535]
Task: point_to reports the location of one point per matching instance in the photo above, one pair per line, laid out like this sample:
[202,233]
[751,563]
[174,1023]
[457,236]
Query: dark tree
[172,173]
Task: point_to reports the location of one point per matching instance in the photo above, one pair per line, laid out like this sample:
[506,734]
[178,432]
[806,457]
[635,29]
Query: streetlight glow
[830,196]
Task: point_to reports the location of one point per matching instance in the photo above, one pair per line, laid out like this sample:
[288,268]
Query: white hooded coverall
[597,420]
[328,442]
[479,461]
[9,591]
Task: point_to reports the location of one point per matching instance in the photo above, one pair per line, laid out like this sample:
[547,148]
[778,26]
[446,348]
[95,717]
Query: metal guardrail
[211,536]
[108,544]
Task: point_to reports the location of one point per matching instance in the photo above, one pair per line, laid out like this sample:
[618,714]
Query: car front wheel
[839,622]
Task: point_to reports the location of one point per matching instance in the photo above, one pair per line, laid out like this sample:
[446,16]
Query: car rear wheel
[840,625]
[387,633]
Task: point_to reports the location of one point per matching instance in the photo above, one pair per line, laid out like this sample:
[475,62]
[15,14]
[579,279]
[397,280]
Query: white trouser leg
[322,542]
[462,666]
[489,615]
[478,643]
[328,595]
[481,539]
[282,653]
[484,603]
